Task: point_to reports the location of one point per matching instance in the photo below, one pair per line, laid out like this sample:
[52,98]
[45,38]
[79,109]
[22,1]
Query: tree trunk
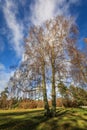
[53,110]
[46,105]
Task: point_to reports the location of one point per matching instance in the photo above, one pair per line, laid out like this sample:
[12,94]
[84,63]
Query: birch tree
[50,48]
[35,52]
[58,31]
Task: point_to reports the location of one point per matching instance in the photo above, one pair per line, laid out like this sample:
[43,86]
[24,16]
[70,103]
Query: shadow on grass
[31,120]
[19,113]
[66,119]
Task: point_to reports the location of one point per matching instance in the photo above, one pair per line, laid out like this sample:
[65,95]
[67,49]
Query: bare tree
[78,64]
[35,51]
[51,55]
[57,32]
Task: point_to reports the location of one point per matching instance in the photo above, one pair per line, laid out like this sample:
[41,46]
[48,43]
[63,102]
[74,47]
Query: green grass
[66,119]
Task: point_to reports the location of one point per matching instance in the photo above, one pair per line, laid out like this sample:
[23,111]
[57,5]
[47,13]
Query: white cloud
[2,67]
[4,76]
[43,10]
[16,27]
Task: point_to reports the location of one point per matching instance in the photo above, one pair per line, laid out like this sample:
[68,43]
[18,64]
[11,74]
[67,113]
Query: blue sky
[16,17]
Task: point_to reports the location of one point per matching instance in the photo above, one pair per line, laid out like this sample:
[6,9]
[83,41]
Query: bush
[40,104]
[28,104]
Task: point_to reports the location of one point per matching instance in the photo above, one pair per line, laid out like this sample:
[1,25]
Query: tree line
[71,96]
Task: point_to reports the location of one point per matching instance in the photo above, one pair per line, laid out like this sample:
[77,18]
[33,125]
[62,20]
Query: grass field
[66,119]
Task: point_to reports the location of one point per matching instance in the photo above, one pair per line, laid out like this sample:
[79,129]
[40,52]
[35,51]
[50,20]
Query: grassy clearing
[66,119]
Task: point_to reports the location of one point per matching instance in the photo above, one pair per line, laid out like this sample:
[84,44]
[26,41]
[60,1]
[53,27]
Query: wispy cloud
[4,76]
[16,27]
[42,10]
[2,67]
